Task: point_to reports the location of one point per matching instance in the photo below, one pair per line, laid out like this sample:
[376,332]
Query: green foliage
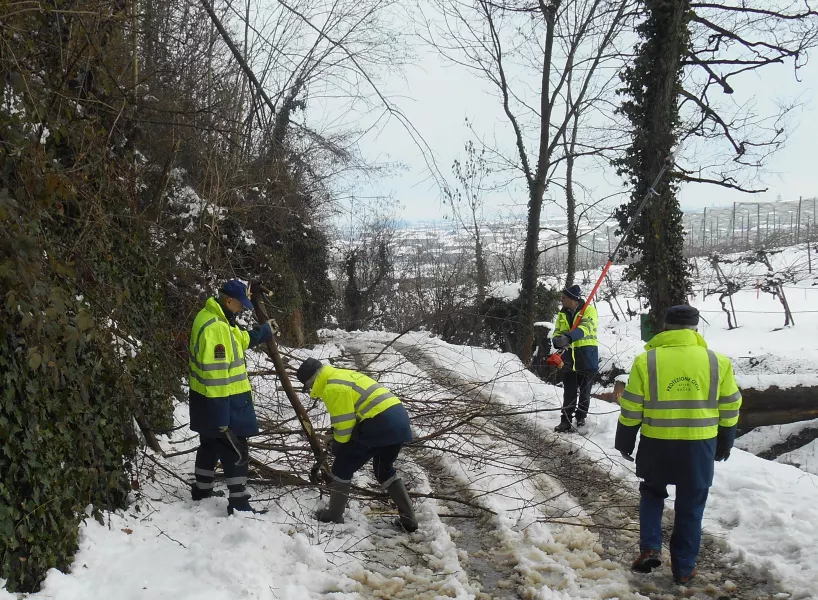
[653,85]
[83,319]
[503,319]
[63,425]
[101,273]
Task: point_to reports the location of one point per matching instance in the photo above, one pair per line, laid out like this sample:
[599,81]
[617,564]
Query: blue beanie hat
[573,292]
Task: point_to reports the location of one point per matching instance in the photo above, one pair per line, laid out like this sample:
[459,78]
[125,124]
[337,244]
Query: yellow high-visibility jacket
[584,350]
[220,391]
[216,359]
[680,390]
[350,397]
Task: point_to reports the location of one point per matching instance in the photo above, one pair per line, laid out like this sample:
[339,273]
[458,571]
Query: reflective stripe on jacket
[680,390]
[216,354]
[350,397]
[584,354]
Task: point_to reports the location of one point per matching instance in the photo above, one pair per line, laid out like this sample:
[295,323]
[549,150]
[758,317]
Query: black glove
[336,447]
[561,341]
[722,454]
[625,440]
[724,442]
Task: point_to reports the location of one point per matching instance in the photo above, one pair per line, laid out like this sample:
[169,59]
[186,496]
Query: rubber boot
[242,505]
[400,497]
[199,494]
[338,497]
[563,426]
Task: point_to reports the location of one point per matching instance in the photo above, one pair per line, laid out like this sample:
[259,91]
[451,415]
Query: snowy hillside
[506,508]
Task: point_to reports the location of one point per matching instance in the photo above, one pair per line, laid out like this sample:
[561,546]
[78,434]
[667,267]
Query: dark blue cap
[307,369]
[236,289]
[682,314]
[573,292]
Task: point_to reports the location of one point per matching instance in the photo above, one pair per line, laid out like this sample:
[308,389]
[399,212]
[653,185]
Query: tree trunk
[654,85]
[666,284]
[482,272]
[571,208]
[536,187]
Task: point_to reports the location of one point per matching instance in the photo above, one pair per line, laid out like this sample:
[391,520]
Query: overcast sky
[437,98]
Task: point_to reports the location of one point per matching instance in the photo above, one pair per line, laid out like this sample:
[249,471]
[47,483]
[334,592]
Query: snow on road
[559,559]
[767,512]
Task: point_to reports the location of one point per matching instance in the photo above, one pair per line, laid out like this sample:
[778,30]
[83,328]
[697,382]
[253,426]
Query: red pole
[556,358]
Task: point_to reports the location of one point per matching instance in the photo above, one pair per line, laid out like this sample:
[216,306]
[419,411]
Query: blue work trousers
[687,527]
[351,456]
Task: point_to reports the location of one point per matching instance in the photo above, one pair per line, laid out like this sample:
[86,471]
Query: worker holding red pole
[575,335]
[577,323]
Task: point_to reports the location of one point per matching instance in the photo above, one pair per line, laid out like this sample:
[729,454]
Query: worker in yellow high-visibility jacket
[369,422]
[685,398]
[221,398]
[580,356]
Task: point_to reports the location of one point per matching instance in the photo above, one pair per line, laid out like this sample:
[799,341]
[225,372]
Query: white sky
[438,98]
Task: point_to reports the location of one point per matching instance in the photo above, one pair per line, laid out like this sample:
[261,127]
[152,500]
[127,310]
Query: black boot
[334,511]
[400,497]
[563,426]
[199,494]
[242,505]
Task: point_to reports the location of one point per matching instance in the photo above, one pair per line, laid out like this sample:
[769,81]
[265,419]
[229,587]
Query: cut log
[613,397]
[768,405]
[777,406]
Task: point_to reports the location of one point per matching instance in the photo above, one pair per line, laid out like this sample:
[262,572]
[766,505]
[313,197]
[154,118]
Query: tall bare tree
[687,52]
[512,45]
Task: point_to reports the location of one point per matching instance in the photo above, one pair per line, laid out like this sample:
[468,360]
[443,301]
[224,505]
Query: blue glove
[261,334]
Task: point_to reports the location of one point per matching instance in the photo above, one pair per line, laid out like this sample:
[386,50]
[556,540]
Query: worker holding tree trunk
[575,336]
[221,398]
[685,399]
[369,422]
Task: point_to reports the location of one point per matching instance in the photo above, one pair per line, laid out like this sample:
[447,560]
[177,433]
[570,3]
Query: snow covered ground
[762,439]
[766,511]
[166,546]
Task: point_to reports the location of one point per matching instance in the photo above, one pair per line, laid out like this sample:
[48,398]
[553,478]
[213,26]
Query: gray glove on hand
[561,341]
[327,439]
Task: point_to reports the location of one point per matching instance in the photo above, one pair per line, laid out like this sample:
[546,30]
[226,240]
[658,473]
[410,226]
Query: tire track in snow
[488,562]
[423,565]
[613,506]
[516,557]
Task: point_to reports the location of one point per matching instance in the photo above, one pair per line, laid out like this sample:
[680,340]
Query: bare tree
[728,41]
[511,45]
[468,198]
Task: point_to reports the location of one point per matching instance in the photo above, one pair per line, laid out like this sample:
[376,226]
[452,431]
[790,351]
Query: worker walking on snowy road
[685,398]
[368,422]
[221,399]
[580,357]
